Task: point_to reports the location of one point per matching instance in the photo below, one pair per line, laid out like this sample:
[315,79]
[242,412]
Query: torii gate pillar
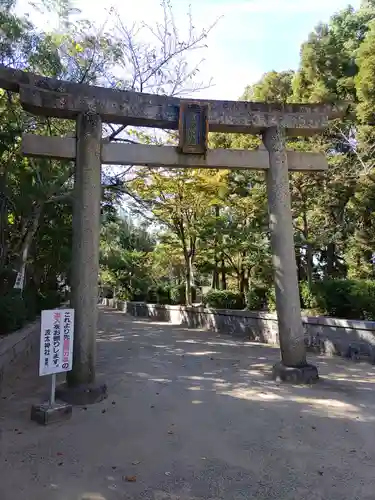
[81,386]
[293,366]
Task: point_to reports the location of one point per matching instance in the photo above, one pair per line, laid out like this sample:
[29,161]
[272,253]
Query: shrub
[178,294]
[158,294]
[49,299]
[13,313]
[257,298]
[307,296]
[271,299]
[363,299]
[351,299]
[224,299]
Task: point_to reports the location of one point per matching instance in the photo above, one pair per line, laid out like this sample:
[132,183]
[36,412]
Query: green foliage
[224,299]
[273,87]
[257,298]
[13,312]
[178,294]
[352,299]
[159,294]
[48,300]
[271,299]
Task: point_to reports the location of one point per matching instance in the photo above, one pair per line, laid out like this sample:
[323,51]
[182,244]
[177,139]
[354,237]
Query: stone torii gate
[90,106]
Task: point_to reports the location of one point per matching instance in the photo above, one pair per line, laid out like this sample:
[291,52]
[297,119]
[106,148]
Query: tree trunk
[215,275]
[244,282]
[32,228]
[188,263]
[300,270]
[223,276]
[3,219]
[309,264]
[330,260]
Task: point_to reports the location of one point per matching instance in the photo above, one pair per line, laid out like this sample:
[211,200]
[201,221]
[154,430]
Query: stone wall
[16,350]
[330,336]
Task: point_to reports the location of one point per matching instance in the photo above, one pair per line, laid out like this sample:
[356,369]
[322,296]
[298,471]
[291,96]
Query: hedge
[17,309]
[224,299]
[350,299]
[257,298]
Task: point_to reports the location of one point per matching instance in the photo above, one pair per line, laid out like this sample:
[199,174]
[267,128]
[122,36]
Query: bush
[350,299]
[308,296]
[271,298]
[48,300]
[178,294]
[257,298]
[158,294]
[224,299]
[13,312]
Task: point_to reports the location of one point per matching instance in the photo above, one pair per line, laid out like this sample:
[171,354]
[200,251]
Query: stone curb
[17,347]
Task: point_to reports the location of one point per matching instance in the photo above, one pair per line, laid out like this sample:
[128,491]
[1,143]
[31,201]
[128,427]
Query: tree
[180,201]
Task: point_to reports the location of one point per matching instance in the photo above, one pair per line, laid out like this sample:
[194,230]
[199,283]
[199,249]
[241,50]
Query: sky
[250,38]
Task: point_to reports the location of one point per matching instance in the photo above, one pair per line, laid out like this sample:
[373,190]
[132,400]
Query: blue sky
[251,37]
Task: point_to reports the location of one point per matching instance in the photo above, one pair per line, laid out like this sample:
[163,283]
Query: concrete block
[46,414]
[307,374]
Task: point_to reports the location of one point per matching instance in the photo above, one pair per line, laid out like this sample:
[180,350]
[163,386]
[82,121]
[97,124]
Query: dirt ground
[193,415]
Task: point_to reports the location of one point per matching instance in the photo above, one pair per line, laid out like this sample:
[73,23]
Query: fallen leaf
[152,406]
[167,473]
[136,462]
[203,458]
[59,454]
[313,427]
[131,479]
[320,473]
[114,467]
[60,463]
[113,402]
[103,411]
[170,432]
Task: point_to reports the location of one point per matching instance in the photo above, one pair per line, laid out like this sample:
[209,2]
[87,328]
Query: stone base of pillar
[85,394]
[307,374]
[46,413]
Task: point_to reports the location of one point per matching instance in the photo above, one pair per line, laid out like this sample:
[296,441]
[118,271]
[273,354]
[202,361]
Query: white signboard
[20,279]
[56,341]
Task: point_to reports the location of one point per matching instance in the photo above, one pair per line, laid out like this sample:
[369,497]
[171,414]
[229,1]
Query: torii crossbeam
[89,106]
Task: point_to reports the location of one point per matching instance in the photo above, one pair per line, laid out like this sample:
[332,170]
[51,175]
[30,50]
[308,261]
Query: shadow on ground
[193,415]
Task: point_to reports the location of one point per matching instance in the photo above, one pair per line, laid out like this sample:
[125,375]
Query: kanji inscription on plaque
[193,128]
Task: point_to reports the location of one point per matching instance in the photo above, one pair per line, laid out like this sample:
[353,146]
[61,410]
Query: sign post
[56,356]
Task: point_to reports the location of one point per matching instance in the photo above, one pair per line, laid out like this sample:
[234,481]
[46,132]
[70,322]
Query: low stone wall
[16,348]
[330,336]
